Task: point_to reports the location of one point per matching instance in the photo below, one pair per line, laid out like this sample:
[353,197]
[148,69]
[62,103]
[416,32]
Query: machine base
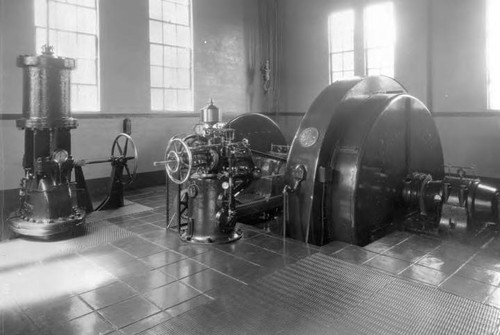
[44,229]
[214,239]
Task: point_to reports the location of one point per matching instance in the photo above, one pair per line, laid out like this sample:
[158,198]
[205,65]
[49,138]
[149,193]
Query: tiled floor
[146,276]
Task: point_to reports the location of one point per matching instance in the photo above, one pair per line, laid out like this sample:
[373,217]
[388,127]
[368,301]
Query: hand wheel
[178,160]
[119,152]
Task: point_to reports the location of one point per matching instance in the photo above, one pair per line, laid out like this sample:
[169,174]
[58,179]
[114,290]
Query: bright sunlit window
[73,32]
[493,53]
[171,55]
[379,36]
[341,44]
[367,52]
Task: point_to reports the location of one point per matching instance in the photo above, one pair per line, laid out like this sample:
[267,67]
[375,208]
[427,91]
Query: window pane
[87,22]
[156,99]
[66,43]
[341,43]
[348,61]
[184,58]
[379,32]
[73,33]
[336,62]
[183,36]
[156,76]
[183,78]
[171,100]
[40,13]
[171,56]
[86,46]
[169,34]
[185,100]
[156,54]
[155,9]
[170,77]
[493,53]
[65,17]
[84,72]
[168,11]
[155,32]
[182,15]
[87,98]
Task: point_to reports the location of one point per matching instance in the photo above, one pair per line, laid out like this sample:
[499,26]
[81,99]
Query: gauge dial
[308,137]
[199,129]
[60,156]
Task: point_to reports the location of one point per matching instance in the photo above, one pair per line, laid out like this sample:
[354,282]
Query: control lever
[298,174]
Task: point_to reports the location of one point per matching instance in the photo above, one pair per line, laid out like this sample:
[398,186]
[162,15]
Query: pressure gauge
[308,137]
[199,129]
[60,156]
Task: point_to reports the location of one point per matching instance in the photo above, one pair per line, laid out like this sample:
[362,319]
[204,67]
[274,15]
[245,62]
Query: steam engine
[215,167]
[50,203]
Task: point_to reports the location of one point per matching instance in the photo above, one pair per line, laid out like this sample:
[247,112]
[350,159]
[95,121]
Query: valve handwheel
[178,160]
[119,151]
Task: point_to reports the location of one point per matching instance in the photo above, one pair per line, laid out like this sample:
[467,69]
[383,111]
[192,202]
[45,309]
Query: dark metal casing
[47,203]
[353,148]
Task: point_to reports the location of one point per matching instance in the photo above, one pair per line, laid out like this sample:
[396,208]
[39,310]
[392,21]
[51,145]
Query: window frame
[360,40]
[189,106]
[488,46]
[43,27]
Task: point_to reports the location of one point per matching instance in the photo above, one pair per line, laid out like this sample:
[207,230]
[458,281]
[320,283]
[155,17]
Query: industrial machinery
[50,204]
[366,159]
[225,172]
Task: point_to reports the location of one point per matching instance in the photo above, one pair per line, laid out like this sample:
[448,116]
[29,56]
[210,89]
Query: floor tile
[15,322]
[333,247]
[89,324]
[129,311]
[146,323]
[256,254]
[147,281]
[402,252]
[421,243]
[387,264]
[188,305]
[486,261]
[285,247]
[144,228]
[162,258]
[58,311]
[424,274]
[494,298]
[354,255]
[137,246]
[228,264]
[108,295]
[170,295]
[183,268]
[454,251]
[209,279]
[447,266]
[483,275]
[467,288]
[379,246]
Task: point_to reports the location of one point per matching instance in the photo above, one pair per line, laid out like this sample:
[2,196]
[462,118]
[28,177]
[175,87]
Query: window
[171,55]
[73,29]
[341,44]
[365,47]
[493,53]
[379,39]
